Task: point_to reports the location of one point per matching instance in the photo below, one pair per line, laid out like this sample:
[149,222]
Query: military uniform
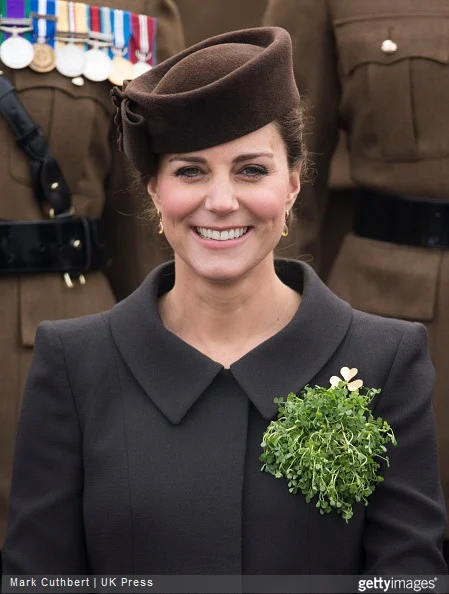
[379,71]
[202,20]
[78,124]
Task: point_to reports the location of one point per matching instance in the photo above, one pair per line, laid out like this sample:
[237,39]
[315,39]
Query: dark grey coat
[137,454]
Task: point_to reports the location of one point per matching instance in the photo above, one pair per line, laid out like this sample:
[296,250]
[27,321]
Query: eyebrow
[239,159]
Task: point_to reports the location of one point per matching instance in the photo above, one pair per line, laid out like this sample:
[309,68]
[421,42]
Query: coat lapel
[290,359]
[174,374]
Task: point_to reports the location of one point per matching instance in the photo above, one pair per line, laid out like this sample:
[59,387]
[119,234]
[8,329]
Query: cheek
[264,201]
[176,202]
[267,203]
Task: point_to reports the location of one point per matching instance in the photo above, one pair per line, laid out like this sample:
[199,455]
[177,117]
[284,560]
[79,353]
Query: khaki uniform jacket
[394,110]
[202,20]
[78,124]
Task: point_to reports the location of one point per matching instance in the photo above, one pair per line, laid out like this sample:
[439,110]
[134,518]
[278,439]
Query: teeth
[223,235]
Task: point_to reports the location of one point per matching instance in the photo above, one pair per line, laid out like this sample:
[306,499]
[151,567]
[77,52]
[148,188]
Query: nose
[221,197]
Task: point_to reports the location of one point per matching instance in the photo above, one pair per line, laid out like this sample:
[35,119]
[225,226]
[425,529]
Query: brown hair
[291,128]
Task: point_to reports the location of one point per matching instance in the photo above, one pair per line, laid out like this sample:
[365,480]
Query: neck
[210,313]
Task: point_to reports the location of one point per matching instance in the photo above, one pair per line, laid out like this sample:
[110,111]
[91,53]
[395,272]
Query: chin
[222,274]
[221,271]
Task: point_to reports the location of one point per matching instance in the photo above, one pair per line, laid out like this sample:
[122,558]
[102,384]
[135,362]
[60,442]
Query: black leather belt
[66,244]
[402,220]
[71,246]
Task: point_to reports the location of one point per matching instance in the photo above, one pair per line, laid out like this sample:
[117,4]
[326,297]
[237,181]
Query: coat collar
[175,375]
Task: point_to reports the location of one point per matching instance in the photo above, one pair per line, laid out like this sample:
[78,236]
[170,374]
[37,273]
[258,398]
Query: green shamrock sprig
[326,442]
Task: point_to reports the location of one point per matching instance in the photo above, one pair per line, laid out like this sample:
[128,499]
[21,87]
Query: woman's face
[223,208]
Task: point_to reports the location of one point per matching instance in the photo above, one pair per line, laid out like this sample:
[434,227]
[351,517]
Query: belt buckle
[69,282]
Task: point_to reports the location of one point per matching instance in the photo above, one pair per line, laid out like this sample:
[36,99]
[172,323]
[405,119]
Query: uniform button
[389,47]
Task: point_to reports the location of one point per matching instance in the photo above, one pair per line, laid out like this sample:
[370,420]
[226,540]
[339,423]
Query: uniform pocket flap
[27,79]
[361,41]
[387,279]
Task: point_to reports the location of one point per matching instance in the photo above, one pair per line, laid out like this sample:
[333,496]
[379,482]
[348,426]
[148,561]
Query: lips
[222,243]
[221,234]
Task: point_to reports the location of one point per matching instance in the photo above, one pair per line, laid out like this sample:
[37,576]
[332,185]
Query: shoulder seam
[67,373]
[391,366]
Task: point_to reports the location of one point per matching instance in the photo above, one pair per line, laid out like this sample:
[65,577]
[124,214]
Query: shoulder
[390,330]
[391,349]
[81,344]
[80,331]
[390,334]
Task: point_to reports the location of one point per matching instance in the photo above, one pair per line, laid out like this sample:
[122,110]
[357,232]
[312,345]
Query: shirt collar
[174,374]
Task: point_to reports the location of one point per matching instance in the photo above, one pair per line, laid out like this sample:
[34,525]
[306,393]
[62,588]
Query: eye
[187,172]
[254,171]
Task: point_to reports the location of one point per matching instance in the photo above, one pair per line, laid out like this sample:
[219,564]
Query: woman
[379,72]
[96,176]
[139,444]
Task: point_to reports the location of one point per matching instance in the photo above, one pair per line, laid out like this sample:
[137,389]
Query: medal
[140,68]
[16,52]
[98,63]
[70,60]
[143,28]
[121,68]
[71,57]
[44,57]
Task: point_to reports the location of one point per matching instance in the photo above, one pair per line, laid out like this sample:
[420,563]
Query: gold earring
[285,229]
[160,227]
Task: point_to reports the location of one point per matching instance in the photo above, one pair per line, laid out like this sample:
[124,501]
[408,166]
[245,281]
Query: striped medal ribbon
[142,42]
[122,68]
[71,37]
[16,51]
[98,63]
[44,24]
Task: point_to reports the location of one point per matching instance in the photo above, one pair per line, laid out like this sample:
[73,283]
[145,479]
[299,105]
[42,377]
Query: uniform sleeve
[316,73]
[406,517]
[45,531]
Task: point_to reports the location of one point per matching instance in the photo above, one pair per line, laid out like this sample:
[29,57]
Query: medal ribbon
[93,18]
[78,19]
[2,14]
[105,26]
[71,19]
[62,23]
[94,22]
[16,9]
[44,30]
[121,27]
[143,38]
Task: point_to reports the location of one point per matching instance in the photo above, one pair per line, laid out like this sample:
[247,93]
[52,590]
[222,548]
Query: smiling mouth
[215,235]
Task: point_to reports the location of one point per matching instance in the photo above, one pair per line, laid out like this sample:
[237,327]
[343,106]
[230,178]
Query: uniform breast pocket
[395,84]
[74,120]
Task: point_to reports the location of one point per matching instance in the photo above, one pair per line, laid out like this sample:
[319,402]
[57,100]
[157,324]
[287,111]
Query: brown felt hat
[213,92]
